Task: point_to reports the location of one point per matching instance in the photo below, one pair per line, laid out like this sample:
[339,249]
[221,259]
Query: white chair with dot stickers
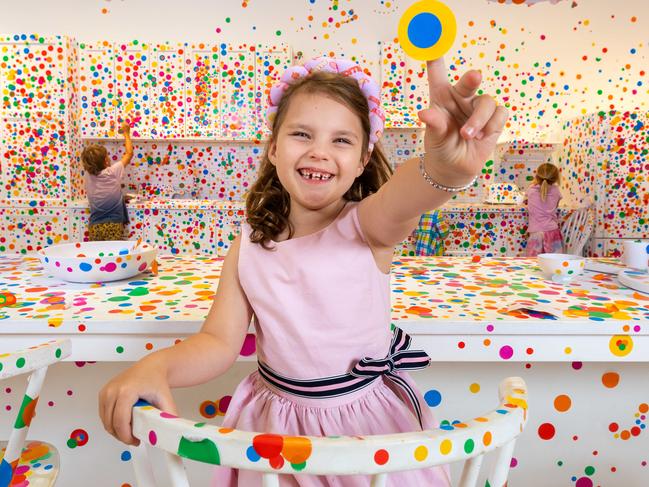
[275,454]
[34,463]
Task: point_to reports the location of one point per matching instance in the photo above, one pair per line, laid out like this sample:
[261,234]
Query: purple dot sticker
[249,347]
[584,482]
[224,403]
[506,352]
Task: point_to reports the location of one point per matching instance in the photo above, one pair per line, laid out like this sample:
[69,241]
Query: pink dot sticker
[506,352]
[153,438]
[249,347]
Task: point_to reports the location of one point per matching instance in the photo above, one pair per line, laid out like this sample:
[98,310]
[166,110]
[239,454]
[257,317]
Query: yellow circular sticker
[427,30]
[621,345]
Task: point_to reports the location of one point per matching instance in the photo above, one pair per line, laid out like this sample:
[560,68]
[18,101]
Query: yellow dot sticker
[427,30]
[421,453]
[445,447]
[621,345]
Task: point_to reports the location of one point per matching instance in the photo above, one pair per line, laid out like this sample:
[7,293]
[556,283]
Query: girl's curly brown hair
[94,158]
[267,203]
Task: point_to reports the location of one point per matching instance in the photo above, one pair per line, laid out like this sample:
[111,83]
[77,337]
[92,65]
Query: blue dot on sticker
[427,30]
[424,30]
[85,267]
[433,398]
[252,455]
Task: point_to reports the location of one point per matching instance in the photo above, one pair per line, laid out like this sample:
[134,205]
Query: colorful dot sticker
[621,345]
[427,30]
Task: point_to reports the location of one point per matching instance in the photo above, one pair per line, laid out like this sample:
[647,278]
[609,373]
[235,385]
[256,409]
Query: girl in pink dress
[543,197]
[311,269]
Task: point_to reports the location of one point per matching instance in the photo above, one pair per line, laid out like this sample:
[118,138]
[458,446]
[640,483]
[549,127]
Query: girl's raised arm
[462,129]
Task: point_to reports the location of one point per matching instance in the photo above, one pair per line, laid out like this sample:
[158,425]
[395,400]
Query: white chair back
[576,230]
[34,360]
[468,441]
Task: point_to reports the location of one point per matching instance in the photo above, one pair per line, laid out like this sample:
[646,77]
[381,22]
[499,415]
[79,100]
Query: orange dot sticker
[610,379]
[562,403]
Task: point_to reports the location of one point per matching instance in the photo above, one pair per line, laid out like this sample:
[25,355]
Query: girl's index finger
[436,70]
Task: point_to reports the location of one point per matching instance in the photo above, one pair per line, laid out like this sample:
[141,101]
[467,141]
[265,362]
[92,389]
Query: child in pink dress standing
[311,269]
[543,197]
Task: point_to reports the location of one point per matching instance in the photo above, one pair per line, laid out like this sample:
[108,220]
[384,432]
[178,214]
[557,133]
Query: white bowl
[97,261]
[561,268]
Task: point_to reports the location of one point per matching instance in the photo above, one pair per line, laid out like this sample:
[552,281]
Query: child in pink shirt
[108,215]
[542,201]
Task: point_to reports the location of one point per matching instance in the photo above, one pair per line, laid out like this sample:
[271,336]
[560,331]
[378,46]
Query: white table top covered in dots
[456,308]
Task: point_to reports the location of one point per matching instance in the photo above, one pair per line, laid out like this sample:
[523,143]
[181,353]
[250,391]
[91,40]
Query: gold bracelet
[436,185]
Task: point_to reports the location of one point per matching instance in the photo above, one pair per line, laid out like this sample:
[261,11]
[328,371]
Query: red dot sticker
[546,431]
[268,446]
[381,457]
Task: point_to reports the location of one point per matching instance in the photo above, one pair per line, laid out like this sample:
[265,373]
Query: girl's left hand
[462,128]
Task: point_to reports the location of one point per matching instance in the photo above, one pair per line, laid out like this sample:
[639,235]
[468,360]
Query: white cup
[561,268]
[636,254]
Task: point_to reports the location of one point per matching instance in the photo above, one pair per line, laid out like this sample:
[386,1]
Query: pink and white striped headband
[347,68]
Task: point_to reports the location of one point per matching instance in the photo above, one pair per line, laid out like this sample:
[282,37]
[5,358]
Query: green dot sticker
[427,30]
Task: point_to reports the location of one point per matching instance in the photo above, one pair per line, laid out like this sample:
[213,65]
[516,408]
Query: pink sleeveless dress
[321,304]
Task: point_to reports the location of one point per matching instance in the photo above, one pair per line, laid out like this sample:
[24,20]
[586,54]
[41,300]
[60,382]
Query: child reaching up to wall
[311,269]
[108,215]
[543,197]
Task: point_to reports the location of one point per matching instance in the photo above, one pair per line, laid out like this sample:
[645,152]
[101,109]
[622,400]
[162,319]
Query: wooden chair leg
[175,470]
[471,471]
[18,435]
[500,469]
[270,480]
[142,466]
[379,480]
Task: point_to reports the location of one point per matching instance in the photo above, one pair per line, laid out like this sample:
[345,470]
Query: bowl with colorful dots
[561,268]
[97,261]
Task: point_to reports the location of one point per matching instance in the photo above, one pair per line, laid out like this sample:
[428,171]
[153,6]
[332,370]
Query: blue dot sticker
[424,30]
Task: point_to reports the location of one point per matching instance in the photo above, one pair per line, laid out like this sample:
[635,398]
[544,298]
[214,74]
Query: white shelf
[120,139]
